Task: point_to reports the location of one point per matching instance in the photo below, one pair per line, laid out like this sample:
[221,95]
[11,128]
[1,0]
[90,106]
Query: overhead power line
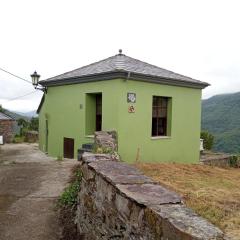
[15,75]
[12,99]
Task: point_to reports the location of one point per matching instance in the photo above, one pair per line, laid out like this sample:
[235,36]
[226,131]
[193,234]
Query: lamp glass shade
[35,78]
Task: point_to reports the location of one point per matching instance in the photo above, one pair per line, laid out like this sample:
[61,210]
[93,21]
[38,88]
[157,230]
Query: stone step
[88,146]
[81,151]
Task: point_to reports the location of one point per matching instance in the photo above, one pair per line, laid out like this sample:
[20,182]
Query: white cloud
[199,39]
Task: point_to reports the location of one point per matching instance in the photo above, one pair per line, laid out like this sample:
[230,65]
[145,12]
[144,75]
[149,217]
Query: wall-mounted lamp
[35,82]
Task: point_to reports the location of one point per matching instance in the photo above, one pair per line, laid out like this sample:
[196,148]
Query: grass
[69,196]
[59,158]
[18,139]
[67,206]
[212,192]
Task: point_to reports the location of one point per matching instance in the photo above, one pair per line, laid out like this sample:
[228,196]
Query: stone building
[6,127]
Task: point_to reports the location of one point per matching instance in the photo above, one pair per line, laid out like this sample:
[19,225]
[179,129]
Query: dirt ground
[30,183]
[212,192]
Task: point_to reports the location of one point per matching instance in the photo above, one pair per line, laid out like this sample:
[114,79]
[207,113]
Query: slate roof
[5,117]
[122,66]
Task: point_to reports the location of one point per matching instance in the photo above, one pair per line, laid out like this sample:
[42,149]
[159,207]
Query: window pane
[159,116]
[162,126]
[162,112]
[164,102]
[155,99]
[154,127]
[155,112]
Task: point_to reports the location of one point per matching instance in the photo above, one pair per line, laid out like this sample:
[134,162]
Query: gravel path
[30,183]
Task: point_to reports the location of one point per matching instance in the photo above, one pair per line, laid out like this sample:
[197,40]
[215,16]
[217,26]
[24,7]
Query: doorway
[68,147]
[98,112]
[93,113]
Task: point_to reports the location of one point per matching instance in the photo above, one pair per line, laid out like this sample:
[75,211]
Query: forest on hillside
[221,117]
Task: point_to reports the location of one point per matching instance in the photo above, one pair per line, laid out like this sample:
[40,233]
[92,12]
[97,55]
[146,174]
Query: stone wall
[31,136]
[6,130]
[106,140]
[116,201]
[216,159]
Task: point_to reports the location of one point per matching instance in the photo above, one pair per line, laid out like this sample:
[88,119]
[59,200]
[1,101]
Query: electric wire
[12,99]
[14,75]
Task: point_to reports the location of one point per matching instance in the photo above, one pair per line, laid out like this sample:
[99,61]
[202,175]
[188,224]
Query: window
[159,116]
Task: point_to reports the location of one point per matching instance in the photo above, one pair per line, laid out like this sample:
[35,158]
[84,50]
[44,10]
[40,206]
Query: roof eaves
[169,81]
[85,78]
[125,75]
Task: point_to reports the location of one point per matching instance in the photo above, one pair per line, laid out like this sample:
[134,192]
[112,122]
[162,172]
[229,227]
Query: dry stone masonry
[220,159]
[6,130]
[116,201]
[106,140]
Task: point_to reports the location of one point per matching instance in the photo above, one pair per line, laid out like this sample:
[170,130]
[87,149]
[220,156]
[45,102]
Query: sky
[196,38]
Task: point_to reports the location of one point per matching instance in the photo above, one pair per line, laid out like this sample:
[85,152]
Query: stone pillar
[106,141]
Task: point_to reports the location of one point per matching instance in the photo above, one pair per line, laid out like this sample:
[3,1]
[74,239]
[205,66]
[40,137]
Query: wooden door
[68,146]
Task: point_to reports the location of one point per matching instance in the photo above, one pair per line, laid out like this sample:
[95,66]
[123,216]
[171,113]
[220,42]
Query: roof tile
[123,63]
[5,117]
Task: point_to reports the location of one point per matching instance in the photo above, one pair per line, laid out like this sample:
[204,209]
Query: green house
[155,112]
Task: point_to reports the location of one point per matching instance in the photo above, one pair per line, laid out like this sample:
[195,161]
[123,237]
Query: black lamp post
[35,79]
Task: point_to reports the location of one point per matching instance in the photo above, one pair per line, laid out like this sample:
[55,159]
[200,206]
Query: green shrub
[102,150]
[208,140]
[18,139]
[234,161]
[69,196]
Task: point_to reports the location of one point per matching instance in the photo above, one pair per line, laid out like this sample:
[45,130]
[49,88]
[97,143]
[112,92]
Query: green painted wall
[181,146]
[66,119]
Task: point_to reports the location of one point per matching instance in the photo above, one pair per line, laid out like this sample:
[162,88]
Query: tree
[1,109]
[23,125]
[34,124]
[208,140]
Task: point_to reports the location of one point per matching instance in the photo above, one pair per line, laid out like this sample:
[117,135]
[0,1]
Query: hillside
[221,117]
[28,114]
[15,115]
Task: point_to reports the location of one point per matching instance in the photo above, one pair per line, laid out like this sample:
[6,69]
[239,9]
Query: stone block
[119,173]
[149,194]
[180,222]
[87,173]
[91,157]
[122,205]
[112,167]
